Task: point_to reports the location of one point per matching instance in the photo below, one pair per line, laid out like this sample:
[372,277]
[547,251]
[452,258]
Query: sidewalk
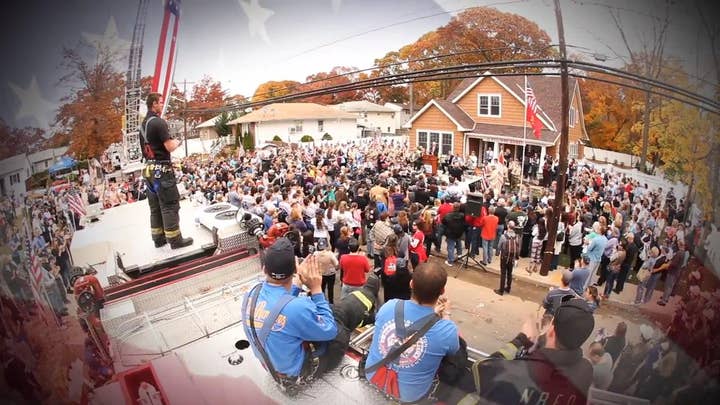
[624,301]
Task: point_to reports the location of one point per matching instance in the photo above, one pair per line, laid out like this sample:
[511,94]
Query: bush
[327,137]
[277,138]
[248,143]
[307,138]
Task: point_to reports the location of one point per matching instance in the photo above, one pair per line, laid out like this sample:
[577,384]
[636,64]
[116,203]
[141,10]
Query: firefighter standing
[163,196]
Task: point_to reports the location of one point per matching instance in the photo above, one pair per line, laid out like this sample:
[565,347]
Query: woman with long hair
[427,226]
[331,218]
[539,234]
[341,244]
[418,254]
[403,220]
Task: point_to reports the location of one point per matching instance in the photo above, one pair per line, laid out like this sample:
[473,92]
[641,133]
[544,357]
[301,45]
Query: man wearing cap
[298,321]
[556,373]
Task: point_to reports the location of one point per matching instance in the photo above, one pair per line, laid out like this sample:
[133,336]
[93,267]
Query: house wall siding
[338,128]
[511,110]
[435,119]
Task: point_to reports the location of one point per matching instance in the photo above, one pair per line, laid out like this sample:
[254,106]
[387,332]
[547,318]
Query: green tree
[327,137]
[221,123]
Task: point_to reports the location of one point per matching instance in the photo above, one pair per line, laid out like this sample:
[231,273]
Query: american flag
[531,111]
[36,272]
[76,204]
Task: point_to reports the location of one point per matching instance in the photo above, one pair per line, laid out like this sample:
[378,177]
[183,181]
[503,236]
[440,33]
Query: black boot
[499,291]
[181,242]
[160,243]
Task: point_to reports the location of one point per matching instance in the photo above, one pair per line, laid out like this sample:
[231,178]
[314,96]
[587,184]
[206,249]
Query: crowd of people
[368,215]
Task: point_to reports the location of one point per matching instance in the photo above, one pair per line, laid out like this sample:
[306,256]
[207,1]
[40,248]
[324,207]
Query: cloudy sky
[243,43]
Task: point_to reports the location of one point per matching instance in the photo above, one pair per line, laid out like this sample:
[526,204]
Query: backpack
[385,378]
[390,266]
[512,247]
[144,144]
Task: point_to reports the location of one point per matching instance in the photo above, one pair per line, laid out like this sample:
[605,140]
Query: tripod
[464,259]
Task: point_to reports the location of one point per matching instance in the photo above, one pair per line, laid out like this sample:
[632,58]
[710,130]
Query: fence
[608,156]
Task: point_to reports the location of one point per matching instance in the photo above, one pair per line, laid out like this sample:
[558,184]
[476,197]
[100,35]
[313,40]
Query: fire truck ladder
[131,133]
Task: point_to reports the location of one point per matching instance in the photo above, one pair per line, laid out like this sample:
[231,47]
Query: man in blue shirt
[301,320]
[417,366]
[580,277]
[594,252]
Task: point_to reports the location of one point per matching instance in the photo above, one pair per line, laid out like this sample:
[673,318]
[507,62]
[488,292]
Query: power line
[471,70]
[395,24]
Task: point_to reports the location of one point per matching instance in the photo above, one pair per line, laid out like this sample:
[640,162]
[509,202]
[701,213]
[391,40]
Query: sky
[243,43]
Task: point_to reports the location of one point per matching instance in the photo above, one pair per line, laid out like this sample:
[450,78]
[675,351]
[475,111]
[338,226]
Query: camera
[253,225]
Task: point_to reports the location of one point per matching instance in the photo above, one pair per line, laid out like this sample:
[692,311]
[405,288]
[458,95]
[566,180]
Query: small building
[489,112]
[14,171]
[206,129]
[42,160]
[403,113]
[291,121]
[372,119]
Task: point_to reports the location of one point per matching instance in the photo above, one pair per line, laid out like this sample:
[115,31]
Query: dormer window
[489,105]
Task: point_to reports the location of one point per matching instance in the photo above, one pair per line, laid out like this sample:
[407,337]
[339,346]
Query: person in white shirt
[575,240]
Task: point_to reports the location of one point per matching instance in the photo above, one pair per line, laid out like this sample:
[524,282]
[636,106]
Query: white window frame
[14,179]
[490,97]
[572,117]
[573,149]
[441,134]
[321,126]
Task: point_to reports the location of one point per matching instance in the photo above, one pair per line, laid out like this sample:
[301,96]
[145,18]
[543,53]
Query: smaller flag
[531,112]
[76,204]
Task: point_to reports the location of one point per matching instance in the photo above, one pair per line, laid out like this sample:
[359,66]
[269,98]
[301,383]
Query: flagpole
[522,157]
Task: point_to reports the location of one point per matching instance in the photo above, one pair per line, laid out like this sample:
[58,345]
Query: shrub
[307,138]
[248,143]
[327,137]
[277,138]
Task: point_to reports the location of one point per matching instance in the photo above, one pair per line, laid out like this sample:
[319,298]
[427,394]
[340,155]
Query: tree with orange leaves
[272,89]
[92,114]
[338,76]
[206,94]
[463,40]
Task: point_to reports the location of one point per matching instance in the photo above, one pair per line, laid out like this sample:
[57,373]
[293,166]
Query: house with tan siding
[488,112]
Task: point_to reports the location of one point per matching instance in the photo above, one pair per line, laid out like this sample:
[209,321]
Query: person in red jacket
[354,268]
[489,225]
[445,208]
[472,239]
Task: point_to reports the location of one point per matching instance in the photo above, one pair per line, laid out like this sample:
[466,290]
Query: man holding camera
[541,368]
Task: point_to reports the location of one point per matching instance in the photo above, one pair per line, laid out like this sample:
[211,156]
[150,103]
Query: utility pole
[185,115]
[562,178]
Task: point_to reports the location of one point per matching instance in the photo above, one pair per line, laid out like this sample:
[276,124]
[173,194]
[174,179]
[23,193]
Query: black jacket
[555,376]
[454,225]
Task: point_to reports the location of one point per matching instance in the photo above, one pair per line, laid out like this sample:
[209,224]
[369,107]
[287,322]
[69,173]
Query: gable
[512,110]
[433,118]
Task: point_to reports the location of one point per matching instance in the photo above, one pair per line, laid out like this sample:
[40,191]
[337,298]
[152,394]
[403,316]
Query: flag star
[257,16]
[455,6]
[336,5]
[32,104]
[109,41]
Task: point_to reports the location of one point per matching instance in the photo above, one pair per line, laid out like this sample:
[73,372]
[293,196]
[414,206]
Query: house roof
[456,113]
[547,91]
[511,131]
[209,123]
[47,154]
[361,106]
[14,164]
[292,111]
[452,111]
